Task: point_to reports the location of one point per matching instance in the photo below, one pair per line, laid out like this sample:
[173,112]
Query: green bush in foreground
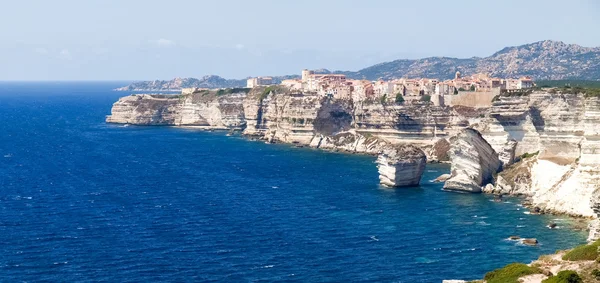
[584,252]
[510,273]
[565,276]
[596,274]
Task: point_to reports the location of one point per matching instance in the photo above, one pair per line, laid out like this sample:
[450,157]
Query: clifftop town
[543,60]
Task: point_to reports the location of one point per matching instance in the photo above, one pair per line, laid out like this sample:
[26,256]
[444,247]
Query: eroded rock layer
[474,162]
[401,166]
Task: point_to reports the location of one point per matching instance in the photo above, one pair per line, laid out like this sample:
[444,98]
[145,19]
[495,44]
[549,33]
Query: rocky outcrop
[474,162]
[513,180]
[145,110]
[594,226]
[401,166]
[203,109]
[560,131]
[507,154]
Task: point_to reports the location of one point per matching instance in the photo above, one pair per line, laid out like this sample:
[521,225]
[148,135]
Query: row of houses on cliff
[440,92]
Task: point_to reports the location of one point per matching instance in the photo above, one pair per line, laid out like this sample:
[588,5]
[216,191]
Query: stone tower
[457,75]
[305,74]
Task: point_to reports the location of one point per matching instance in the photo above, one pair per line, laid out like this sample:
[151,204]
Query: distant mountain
[177,84]
[543,60]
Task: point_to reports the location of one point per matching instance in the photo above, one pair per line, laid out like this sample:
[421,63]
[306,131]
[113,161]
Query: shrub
[565,276]
[399,98]
[596,274]
[529,155]
[583,252]
[266,92]
[383,99]
[510,273]
[426,98]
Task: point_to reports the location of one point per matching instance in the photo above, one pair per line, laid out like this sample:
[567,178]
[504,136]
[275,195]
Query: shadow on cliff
[334,116]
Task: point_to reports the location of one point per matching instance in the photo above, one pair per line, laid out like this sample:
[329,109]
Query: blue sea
[83,200]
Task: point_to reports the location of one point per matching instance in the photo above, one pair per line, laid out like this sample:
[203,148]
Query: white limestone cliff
[401,165]
[474,162]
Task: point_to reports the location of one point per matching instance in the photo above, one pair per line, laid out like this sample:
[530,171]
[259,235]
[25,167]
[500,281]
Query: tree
[399,98]
[472,87]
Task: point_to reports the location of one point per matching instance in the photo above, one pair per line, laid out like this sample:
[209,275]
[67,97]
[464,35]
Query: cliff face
[401,166]
[474,162]
[146,110]
[564,129]
[199,109]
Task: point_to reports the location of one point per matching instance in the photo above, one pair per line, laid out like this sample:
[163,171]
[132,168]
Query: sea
[82,200]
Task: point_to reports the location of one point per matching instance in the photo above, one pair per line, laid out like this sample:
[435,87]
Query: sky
[148,39]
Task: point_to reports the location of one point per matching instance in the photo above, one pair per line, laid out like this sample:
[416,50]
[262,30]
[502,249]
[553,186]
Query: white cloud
[40,50]
[239,46]
[164,42]
[65,54]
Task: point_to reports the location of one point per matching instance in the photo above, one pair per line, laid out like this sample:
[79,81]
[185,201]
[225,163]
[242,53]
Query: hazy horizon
[69,40]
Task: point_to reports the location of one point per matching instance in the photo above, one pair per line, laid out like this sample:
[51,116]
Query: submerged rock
[474,162]
[530,241]
[401,165]
[442,178]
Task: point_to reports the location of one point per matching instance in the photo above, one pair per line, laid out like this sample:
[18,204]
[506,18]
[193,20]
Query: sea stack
[473,162]
[401,165]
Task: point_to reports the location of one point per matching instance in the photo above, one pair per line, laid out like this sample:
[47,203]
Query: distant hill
[177,84]
[543,60]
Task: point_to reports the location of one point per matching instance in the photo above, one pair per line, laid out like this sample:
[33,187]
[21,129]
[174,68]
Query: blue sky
[144,40]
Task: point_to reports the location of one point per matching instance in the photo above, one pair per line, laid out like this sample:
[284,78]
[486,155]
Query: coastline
[297,120]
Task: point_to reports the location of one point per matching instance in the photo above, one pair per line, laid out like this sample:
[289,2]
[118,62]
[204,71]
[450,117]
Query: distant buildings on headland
[475,90]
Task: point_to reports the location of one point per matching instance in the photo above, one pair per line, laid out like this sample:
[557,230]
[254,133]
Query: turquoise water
[87,201]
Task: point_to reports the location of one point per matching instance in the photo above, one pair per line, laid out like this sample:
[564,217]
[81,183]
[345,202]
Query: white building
[258,81]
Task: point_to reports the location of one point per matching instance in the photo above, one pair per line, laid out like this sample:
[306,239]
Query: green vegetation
[472,88]
[266,92]
[518,93]
[565,276]
[587,91]
[224,91]
[510,273]
[455,91]
[399,98]
[529,155]
[461,89]
[570,83]
[596,274]
[426,98]
[583,252]
[383,99]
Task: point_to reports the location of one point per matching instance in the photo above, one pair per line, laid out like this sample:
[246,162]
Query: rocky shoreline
[543,146]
